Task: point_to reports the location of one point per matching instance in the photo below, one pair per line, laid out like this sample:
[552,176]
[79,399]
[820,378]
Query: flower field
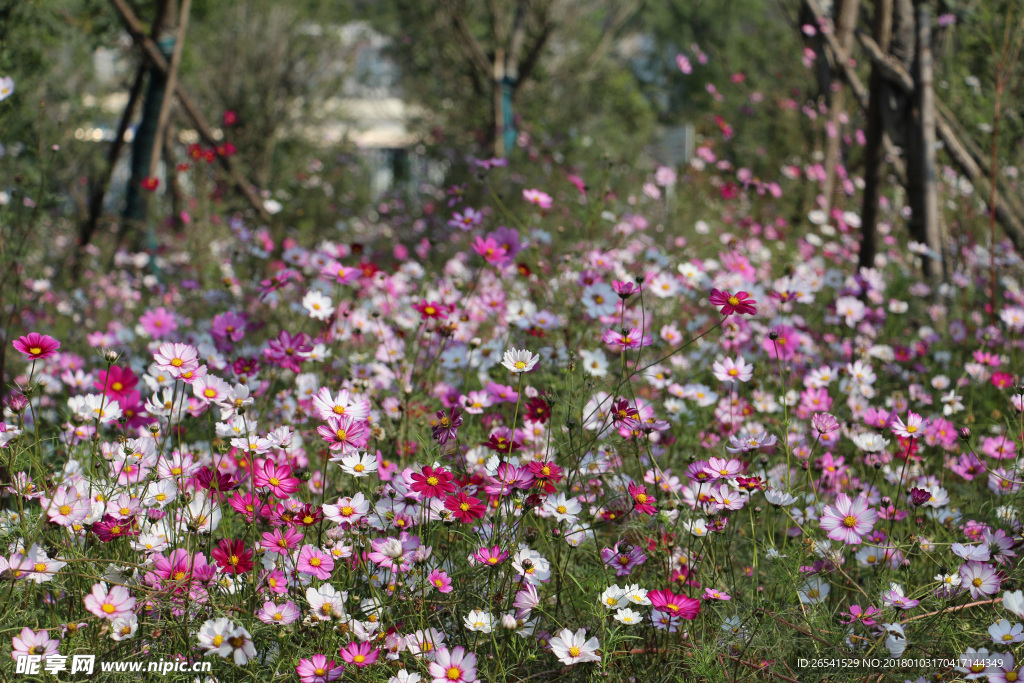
[551,415]
[521,457]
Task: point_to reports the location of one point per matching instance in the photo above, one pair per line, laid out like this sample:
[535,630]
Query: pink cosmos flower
[740,302]
[541,199]
[117,602]
[623,560]
[281,541]
[158,322]
[278,615]
[621,340]
[117,383]
[37,346]
[453,666]
[228,325]
[277,478]
[911,428]
[490,557]
[440,580]
[30,642]
[642,501]
[715,594]
[864,616]
[360,654]
[315,562]
[824,423]
[980,579]
[318,669]
[345,433]
[849,520]
[394,553]
[493,253]
[675,605]
[894,597]
[177,358]
[733,370]
[433,483]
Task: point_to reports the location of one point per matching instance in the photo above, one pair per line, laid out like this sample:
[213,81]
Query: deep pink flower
[675,605]
[360,654]
[432,483]
[232,557]
[37,346]
[277,478]
[642,501]
[740,302]
[490,557]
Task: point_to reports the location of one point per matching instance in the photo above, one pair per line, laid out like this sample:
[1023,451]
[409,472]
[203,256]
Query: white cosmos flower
[519,360]
[478,620]
[628,616]
[573,648]
[318,304]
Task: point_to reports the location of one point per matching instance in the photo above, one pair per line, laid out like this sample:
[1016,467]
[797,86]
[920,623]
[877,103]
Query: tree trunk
[846,18]
[874,159]
[933,265]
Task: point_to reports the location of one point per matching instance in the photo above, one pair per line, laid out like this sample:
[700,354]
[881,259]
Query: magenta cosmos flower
[318,669]
[432,483]
[740,302]
[278,478]
[37,346]
[675,605]
[360,654]
[453,666]
[849,520]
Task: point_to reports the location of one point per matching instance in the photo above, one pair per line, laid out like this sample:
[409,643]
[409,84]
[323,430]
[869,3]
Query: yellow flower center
[217,640]
[35,350]
[359,467]
[314,562]
[849,521]
[520,365]
[65,509]
[210,393]
[177,362]
[454,673]
[574,651]
[359,659]
[347,510]
[108,608]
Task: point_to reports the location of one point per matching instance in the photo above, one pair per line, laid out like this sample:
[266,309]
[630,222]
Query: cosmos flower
[318,669]
[740,303]
[517,361]
[573,648]
[849,520]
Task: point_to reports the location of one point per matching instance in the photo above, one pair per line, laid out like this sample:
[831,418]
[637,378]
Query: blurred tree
[484,69]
